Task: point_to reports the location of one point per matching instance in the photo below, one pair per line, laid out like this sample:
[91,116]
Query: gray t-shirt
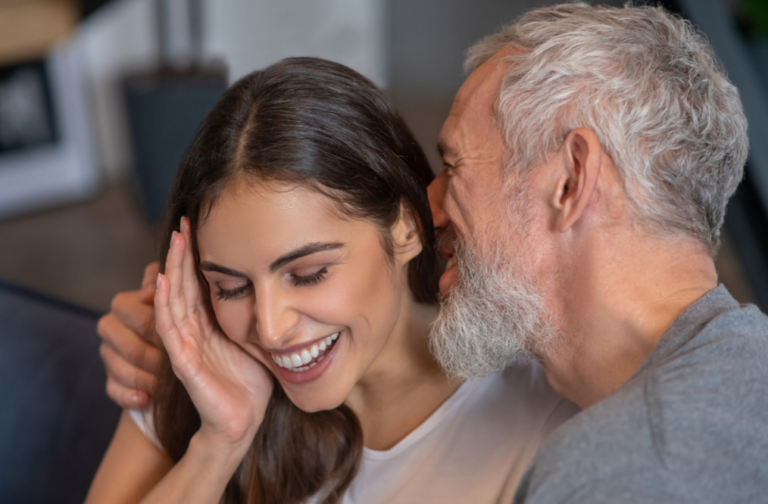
[690,426]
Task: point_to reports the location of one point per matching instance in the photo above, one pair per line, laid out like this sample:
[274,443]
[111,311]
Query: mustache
[446,240]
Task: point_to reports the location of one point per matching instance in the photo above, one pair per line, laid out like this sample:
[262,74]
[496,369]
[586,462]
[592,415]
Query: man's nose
[275,318]
[436,193]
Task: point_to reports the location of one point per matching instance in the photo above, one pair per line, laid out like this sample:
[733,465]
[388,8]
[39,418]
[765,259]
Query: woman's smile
[304,289]
[307,365]
[301,359]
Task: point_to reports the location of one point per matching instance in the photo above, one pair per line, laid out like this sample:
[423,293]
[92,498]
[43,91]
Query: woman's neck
[404,385]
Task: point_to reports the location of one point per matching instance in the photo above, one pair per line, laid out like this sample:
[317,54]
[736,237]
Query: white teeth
[301,361]
[451,262]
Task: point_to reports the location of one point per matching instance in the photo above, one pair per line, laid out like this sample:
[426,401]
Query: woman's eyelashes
[295,279]
[312,279]
[224,294]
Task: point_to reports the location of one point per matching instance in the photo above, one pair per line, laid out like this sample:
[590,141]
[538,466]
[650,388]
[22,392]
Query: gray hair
[649,86]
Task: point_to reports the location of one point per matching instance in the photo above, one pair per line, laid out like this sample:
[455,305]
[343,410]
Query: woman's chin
[315,404]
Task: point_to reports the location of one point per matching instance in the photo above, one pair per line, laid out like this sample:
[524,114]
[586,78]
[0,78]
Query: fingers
[149,281]
[178,294]
[174,272]
[124,373]
[127,385]
[127,398]
[128,344]
[130,348]
[164,319]
[130,310]
[190,284]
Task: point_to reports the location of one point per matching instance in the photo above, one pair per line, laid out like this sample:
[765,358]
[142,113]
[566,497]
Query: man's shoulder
[712,387]
[707,402]
[603,442]
[695,422]
[734,333]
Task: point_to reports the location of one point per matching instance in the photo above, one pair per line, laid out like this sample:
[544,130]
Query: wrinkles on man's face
[472,148]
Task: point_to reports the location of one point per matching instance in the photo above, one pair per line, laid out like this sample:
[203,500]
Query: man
[588,160]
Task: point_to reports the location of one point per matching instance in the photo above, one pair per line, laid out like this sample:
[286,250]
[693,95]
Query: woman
[295,308]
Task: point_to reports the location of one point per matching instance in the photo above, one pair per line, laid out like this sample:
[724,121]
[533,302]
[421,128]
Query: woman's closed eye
[233,293]
[310,279]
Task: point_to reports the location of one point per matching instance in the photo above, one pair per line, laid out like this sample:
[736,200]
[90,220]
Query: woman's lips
[313,369]
[303,358]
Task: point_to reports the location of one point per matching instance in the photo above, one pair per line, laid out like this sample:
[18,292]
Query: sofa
[55,418]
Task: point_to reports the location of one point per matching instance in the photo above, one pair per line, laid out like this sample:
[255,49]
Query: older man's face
[492,311]
[472,150]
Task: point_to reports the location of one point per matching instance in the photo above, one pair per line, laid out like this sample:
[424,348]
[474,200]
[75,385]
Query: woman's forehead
[265,220]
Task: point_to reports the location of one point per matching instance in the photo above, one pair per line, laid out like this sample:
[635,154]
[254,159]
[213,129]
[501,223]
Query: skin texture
[382,368]
[130,344]
[612,285]
[465,197]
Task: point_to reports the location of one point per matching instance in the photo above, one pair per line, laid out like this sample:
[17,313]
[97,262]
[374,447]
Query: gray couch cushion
[55,418]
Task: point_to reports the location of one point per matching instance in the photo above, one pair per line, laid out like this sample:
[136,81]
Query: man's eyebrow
[440,148]
[444,149]
[209,266]
[310,248]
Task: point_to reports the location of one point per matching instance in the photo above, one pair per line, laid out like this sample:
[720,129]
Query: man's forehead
[484,83]
[473,106]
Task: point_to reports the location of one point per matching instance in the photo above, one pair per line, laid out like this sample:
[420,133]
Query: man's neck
[611,323]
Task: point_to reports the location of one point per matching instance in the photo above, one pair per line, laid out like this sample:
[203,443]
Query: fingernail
[173,235]
[158,280]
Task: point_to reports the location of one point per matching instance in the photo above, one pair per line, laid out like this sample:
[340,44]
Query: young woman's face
[308,292]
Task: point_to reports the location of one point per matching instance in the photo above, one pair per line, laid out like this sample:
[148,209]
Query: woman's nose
[275,318]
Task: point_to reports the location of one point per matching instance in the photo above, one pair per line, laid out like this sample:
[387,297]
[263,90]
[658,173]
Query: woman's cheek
[232,320]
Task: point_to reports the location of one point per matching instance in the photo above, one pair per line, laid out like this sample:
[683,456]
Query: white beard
[492,316]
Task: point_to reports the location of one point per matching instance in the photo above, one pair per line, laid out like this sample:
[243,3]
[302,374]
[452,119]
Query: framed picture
[46,151]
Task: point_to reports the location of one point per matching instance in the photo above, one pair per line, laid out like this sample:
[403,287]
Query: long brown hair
[322,125]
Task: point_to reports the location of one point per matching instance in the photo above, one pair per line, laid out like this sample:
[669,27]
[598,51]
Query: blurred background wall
[88,232]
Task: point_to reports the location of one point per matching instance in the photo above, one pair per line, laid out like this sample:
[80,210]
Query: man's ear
[581,158]
[406,236]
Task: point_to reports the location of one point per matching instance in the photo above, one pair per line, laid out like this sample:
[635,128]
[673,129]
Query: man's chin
[486,321]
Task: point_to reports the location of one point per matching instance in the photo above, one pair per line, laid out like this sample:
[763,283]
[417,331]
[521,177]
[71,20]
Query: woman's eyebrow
[306,250]
[311,248]
[209,266]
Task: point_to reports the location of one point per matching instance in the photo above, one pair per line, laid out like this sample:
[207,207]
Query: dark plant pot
[164,109]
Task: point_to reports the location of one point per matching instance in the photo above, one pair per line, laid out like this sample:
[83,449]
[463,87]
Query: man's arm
[130,344]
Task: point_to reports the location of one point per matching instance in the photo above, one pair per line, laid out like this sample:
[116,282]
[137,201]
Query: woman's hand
[229,388]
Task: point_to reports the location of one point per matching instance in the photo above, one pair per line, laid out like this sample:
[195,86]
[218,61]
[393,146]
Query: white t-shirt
[473,449]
